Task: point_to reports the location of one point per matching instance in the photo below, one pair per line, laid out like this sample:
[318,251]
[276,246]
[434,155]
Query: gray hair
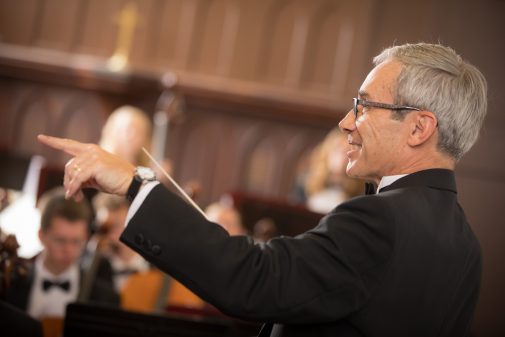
[436,79]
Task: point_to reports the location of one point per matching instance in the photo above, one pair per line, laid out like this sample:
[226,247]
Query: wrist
[141,176]
[127,180]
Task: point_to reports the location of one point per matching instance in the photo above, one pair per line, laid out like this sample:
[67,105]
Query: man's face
[64,241]
[114,222]
[377,142]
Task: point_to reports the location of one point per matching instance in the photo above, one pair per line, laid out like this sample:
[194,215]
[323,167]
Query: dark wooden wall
[263,81]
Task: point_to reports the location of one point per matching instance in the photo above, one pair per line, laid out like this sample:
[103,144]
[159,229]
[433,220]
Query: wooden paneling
[36,108]
[304,45]
[208,36]
[51,18]
[227,152]
[226,141]
[19,21]
[96,29]
[163,42]
[483,202]
[56,99]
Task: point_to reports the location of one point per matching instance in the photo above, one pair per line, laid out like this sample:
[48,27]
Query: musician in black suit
[400,262]
[55,276]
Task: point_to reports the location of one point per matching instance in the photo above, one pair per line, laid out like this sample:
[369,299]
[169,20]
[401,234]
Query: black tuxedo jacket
[102,289]
[403,262]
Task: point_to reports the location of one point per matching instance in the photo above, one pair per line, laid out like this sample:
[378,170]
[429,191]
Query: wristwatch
[142,175]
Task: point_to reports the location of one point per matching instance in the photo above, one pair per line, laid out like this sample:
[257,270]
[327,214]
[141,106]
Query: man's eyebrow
[363,94]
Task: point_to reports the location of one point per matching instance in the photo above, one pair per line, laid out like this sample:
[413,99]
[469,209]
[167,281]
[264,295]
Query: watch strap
[134,188]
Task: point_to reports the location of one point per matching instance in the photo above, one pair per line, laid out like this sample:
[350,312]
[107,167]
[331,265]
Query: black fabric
[369,189]
[403,262]
[134,188]
[47,284]
[17,323]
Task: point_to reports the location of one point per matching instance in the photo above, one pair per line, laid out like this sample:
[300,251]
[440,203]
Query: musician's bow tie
[47,284]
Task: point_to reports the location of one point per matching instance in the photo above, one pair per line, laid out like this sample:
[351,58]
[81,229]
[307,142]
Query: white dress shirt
[53,301]
[388,180]
[326,200]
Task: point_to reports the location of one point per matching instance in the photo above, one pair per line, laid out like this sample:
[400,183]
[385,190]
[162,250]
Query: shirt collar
[441,179]
[388,180]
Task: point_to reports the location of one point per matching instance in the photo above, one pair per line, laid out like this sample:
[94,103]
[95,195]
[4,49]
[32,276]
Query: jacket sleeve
[319,276]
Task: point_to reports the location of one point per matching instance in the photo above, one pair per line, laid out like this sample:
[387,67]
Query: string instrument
[154,290]
[12,266]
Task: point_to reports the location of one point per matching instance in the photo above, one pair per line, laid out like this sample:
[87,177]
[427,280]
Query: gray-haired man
[402,262]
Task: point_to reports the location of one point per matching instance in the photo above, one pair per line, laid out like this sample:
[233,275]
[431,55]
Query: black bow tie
[47,284]
[369,189]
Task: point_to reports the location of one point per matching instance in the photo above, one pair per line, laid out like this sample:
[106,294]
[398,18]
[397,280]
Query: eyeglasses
[60,241]
[364,103]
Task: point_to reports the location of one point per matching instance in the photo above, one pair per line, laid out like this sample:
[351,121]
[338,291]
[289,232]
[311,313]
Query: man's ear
[424,124]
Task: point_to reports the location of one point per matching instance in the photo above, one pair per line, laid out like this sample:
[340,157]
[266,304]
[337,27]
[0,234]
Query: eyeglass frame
[365,103]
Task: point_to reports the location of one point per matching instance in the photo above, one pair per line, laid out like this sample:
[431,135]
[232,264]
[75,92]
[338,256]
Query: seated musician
[55,277]
[327,184]
[111,215]
[226,216]
[142,291]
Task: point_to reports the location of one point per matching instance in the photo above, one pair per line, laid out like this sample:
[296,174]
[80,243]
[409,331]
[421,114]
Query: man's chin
[351,170]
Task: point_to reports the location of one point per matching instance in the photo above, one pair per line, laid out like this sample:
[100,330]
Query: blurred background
[239,92]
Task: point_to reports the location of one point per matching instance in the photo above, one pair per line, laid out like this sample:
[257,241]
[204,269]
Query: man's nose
[347,124]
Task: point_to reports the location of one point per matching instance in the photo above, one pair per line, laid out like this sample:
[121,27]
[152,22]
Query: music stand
[84,320]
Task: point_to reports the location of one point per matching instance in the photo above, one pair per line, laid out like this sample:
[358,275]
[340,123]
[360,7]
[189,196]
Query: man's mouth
[354,146]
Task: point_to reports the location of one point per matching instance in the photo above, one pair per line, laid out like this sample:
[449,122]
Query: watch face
[145,173]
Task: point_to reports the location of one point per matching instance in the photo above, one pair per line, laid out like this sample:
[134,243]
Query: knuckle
[91,147]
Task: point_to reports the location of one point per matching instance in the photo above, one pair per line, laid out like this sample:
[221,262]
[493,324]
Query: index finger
[68,146]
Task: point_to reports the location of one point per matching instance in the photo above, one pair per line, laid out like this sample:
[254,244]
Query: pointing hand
[91,166]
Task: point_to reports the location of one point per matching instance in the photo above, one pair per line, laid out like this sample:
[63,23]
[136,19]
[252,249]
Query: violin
[12,266]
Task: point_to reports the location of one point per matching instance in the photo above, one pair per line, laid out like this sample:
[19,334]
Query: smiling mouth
[353,147]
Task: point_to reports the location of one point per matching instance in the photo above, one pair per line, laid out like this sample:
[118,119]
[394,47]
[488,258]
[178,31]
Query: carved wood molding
[259,100]
[200,91]
[83,72]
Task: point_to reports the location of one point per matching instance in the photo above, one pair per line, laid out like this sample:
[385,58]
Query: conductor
[399,261]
